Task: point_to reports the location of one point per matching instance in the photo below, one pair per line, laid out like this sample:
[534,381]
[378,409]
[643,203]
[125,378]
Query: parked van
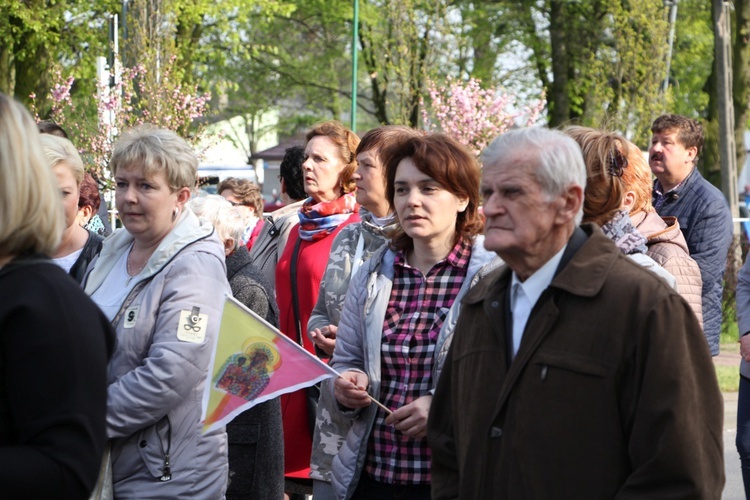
[209,176]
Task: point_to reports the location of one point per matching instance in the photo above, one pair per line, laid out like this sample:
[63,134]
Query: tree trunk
[32,74]
[485,55]
[379,93]
[559,99]
[6,70]
[417,79]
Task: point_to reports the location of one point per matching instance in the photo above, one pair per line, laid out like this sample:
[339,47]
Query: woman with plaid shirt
[399,315]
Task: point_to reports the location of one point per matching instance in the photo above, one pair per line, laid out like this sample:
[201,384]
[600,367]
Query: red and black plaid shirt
[416,311]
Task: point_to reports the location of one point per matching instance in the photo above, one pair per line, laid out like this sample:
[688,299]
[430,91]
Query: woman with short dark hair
[399,316]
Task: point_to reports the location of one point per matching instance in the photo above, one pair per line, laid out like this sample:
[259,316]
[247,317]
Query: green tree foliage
[601,60]
[402,41]
[692,56]
[40,37]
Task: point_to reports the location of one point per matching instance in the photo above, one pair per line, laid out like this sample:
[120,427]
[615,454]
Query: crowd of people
[538,322]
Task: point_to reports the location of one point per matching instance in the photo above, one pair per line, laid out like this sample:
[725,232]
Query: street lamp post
[355,33]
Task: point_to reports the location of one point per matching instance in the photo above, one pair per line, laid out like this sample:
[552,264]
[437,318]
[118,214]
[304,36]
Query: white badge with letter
[131,315]
[192,326]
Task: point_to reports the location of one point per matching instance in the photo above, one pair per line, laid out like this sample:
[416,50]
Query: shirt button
[495,304]
[496,432]
[143,444]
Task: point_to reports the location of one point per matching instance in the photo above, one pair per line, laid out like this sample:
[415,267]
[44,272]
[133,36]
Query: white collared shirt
[523,295]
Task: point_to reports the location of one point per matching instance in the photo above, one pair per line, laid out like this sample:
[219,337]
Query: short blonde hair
[59,150]
[30,214]
[228,221]
[156,150]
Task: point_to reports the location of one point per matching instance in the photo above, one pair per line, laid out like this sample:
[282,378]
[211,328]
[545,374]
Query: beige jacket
[667,246]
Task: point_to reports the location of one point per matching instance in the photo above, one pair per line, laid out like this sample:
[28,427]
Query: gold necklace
[129,266]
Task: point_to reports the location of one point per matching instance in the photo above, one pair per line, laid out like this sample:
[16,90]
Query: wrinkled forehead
[667,133]
[512,167]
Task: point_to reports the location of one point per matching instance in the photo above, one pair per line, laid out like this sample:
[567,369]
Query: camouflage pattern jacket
[352,246]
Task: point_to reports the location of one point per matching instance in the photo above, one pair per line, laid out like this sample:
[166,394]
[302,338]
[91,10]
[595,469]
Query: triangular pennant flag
[252,363]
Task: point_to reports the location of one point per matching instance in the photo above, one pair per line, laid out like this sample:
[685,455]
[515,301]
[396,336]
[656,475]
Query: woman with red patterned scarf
[328,169]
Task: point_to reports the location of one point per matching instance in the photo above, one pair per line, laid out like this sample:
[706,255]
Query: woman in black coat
[54,341]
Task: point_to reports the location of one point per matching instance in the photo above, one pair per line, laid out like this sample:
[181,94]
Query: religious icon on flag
[252,363]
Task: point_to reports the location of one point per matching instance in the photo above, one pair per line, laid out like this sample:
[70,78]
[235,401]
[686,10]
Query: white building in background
[271,158]
[224,151]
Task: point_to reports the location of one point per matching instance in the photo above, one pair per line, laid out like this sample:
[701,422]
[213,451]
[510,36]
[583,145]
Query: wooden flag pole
[381,405]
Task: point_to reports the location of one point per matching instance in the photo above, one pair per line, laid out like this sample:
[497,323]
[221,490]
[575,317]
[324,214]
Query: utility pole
[727,146]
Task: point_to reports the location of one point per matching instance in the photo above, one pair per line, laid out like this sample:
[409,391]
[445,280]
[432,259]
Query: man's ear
[569,204]
[692,153]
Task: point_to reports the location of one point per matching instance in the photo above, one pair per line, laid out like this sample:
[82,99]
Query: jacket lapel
[495,299]
[541,320]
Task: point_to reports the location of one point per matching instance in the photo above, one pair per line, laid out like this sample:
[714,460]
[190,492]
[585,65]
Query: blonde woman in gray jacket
[399,315]
[162,282]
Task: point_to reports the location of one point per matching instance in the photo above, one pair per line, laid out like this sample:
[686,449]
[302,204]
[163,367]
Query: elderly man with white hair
[574,372]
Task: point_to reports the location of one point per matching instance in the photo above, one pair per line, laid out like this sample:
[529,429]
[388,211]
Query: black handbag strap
[295,296]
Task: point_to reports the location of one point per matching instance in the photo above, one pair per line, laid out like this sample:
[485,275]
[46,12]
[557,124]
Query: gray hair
[228,221]
[157,150]
[559,161]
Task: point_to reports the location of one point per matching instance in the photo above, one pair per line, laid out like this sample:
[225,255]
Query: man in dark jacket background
[574,372]
[701,209]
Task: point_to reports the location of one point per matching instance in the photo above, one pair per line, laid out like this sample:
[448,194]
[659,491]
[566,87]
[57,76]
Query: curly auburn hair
[347,142]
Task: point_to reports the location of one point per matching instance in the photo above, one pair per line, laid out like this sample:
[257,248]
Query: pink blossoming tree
[472,115]
[135,99]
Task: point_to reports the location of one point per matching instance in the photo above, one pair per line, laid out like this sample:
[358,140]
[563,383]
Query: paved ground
[733,489]
[727,358]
